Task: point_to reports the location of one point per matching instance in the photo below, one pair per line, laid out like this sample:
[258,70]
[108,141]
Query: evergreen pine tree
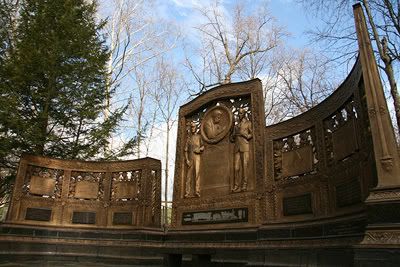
[53,85]
[5,11]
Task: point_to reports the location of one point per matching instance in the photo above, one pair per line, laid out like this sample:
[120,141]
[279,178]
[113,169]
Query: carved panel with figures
[219,136]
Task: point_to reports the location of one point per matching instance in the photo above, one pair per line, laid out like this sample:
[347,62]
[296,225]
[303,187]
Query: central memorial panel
[219,137]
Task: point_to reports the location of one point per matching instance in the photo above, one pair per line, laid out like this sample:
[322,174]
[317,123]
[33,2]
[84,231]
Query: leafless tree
[167,95]
[383,21]
[227,40]
[298,80]
[137,37]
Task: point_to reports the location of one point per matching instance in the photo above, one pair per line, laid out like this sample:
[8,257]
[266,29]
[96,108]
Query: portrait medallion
[216,124]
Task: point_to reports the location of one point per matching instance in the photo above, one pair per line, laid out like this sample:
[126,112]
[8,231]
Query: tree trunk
[166,176]
[394,92]
[383,53]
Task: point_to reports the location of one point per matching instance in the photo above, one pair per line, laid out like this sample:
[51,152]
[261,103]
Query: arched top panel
[82,165]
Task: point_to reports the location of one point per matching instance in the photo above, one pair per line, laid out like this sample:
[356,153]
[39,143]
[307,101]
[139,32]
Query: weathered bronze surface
[219,137]
[300,169]
[298,161]
[63,193]
[125,190]
[344,140]
[241,135]
[86,190]
[297,205]
[193,149]
[216,124]
[42,185]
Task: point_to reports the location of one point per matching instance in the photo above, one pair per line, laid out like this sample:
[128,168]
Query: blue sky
[289,14]
[292,15]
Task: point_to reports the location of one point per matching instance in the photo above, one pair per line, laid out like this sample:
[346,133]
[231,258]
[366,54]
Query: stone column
[385,146]
[381,242]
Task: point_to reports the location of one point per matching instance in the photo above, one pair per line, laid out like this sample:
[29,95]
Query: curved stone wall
[321,164]
[71,193]
[317,166]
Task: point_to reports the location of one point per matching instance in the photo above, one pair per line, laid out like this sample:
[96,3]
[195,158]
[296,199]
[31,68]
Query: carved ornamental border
[343,108]
[114,194]
[253,90]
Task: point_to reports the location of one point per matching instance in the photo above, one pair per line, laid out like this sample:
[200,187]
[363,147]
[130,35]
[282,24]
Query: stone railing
[321,163]
[123,194]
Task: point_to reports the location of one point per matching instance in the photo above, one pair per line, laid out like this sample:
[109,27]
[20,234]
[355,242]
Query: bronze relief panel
[340,133]
[126,185]
[43,182]
[295,155]
[344,140]
[218,149]
[220,134]
[297,161]
[42,185]
[216,124]
[86,185]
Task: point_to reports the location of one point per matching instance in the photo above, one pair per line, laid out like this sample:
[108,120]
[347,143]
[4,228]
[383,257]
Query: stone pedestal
[381,243]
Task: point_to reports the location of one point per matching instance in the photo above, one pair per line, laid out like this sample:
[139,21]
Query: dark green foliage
[3,29]
[53,85]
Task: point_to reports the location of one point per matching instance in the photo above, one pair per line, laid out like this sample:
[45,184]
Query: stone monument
[320,189]
[219,139]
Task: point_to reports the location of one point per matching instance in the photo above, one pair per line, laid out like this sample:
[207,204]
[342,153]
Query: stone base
[46,246]
[383,206]
[43,246]
[376,257]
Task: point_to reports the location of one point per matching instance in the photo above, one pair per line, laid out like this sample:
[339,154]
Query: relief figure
[216,124]
[213,126]
[242,133]
[193,149]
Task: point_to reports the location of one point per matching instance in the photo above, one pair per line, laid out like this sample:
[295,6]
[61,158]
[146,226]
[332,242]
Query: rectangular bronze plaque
[344,140]
[215,170]
[348,193]
[125,189]
[83,217]
[38,214]
[234,215]
[86,190]
[345,228]
[42,185]
[297,205]
[122,218]
[297,161]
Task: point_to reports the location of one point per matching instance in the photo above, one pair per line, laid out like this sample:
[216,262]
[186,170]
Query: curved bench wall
[120,194]
[320,164]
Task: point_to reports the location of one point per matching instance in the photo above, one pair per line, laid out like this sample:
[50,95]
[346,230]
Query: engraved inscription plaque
[80,217]
[86,190]
[38,214]
[42,185]
[297,205]
[234,215]
[345,228]
[344,141]
[297,161]
[125,189]
[122,218]
[348,193]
